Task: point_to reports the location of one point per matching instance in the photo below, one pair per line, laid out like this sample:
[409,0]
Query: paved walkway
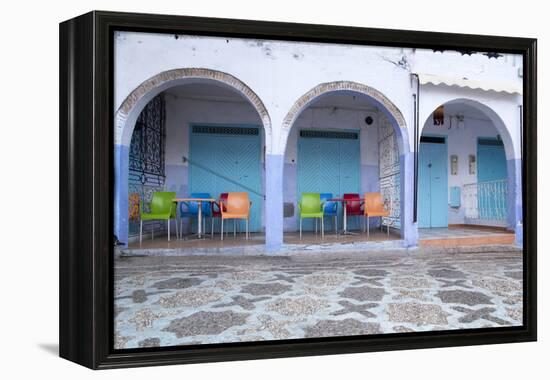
[207,299]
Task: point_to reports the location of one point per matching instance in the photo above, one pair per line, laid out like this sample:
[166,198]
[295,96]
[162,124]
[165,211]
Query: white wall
[280,72]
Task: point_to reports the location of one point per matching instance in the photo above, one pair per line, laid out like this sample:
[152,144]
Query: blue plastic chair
[330,208]
[191,210]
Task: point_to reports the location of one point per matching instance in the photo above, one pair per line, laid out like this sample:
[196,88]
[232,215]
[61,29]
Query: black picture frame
[86,183]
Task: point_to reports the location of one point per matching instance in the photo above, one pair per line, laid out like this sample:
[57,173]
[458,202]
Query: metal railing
[486,201]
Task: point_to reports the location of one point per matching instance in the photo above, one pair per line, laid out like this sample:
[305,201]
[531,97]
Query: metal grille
[329,134]
[211,129]
[148,144]
[146,160]
[486,202]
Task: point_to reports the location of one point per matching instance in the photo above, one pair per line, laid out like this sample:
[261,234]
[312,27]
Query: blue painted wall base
[519,235]
[409,229]
[515,208]
[121,193]
[274,202]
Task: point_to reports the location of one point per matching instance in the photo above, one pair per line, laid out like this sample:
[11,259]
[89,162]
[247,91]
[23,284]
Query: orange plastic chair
[237,206]
[374,207]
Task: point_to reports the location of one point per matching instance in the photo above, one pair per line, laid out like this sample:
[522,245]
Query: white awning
[507,87]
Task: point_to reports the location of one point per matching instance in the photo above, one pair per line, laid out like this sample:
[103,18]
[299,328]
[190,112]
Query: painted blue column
[121,193]
[274,202]
[515,201]
[409,229]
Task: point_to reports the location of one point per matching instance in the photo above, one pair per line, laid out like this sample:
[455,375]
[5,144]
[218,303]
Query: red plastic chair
[354,208]
[216,211]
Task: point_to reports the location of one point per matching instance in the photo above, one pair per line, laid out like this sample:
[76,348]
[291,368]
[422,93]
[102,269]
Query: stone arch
[513,158]
[394,115]
[386,105]
[129,110]
[495,118]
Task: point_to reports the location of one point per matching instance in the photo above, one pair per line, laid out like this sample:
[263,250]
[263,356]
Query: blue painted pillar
[515,201]
[121,193]
[274,164]
[409,229]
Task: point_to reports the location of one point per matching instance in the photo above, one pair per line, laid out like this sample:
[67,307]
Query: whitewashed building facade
[384,98]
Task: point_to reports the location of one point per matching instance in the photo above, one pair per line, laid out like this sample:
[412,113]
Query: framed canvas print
[240,189]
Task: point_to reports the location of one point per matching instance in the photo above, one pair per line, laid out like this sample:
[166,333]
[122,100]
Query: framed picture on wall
[259,189]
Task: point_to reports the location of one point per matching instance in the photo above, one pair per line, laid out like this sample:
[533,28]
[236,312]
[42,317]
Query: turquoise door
[491,177]
[225,159]
[491,160]
[329,163]
[432,183]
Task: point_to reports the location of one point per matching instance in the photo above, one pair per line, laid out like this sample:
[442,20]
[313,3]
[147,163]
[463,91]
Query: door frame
[352,130]
[494,221]
[358,131]
[446,140]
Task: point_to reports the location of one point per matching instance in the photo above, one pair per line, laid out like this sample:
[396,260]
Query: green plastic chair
[310,206]
[162,207]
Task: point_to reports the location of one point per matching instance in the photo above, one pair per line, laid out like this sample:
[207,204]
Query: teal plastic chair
[330,208]
[162,207]
[191,210]
[310,206]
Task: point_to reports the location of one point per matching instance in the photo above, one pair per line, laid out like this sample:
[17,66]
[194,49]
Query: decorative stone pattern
[205,323]
[389,171]
[177,283]
[305,100]
[196,297]
[298,306]
[363,293]
[191,73]
[324,88]
[417,313]
[260,289]
[166,301]
[341,328]
[464,297]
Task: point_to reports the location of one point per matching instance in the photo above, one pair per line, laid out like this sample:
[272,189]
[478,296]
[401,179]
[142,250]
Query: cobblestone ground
[164,301]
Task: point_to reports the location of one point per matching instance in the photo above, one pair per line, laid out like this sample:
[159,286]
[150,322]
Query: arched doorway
[468,168]
[186,170]
[346,118]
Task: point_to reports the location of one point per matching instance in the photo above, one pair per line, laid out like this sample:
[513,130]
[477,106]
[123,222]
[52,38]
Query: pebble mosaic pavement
[166,301]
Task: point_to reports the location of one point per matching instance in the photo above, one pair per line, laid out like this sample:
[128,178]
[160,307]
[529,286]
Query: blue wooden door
[432,184]
[222,160]
[491,176]
[328,165]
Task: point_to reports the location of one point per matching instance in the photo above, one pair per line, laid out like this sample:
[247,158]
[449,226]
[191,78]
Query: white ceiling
[452,109]
[344,101]
[206,91]
[347,100]
[217,92]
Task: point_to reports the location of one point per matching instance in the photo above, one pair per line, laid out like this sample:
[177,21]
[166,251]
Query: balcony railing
[486,201]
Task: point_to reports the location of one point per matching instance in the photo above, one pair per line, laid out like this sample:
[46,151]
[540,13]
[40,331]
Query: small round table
[199,214]
[344,201]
